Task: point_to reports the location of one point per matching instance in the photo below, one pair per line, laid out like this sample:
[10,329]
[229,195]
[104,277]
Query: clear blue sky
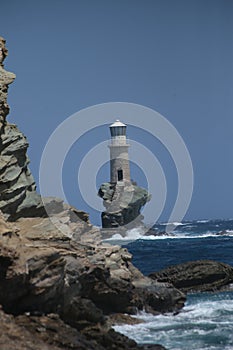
[175,56]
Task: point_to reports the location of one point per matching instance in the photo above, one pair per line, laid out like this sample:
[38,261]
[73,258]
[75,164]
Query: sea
[206,321]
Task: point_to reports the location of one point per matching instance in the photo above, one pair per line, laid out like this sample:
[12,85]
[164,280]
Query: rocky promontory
[61,287]
[123,204]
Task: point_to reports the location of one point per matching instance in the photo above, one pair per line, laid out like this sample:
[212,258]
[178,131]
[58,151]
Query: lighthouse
[122,198]
[119,154]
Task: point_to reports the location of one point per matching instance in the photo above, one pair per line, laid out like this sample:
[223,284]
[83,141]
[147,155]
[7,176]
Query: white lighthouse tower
[119,155]
[122,198]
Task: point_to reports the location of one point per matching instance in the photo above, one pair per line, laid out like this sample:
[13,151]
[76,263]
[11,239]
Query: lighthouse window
[118,131]
[120,175]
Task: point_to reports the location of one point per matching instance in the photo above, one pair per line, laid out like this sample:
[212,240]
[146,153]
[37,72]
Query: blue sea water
[206,321]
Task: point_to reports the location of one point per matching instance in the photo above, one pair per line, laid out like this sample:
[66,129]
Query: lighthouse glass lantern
[119,155]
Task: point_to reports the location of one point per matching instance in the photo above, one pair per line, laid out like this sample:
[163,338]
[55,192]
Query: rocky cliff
[18,195]
[60,286]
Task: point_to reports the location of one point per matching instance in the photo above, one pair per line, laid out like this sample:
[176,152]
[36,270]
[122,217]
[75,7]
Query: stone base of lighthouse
[123,203]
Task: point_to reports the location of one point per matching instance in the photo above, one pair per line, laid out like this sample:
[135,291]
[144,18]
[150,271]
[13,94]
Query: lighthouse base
[123,204]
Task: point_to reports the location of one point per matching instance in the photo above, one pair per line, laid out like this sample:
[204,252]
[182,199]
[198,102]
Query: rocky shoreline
[61,286]
[75,280]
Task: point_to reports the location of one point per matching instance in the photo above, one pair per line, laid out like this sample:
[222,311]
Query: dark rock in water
[123,203]
[153,232]
[195,276]
[222,233]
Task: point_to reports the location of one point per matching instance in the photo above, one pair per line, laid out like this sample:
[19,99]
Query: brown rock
[44,270]
[14,336]
[117,319]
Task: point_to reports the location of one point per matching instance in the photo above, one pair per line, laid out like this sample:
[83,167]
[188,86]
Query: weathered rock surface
[18,195]
[123,204]
[197,276]
[58,265]
[50,257]
[49,332]
[40,332]
[6,78]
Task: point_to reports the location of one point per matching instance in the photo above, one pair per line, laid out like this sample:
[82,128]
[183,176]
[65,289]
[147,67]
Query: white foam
[131,235]
[202,221]
[139,233]
[174,223]
[191,328]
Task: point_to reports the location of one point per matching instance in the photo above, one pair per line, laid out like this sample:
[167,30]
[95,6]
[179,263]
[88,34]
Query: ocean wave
[203,323]
[187,230]
[134,235]
[202,221]
[174,223]
[185,236]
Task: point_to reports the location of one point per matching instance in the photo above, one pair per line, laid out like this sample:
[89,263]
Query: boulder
[196,276]
[123,203]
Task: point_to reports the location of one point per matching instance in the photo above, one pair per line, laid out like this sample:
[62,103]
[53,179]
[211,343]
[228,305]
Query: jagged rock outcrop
[54,259]
[18,195]
[6,78]
[197,276]
[123,203]
[59,265]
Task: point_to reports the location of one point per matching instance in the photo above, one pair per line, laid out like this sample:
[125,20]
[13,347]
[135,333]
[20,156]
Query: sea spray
[205,322]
